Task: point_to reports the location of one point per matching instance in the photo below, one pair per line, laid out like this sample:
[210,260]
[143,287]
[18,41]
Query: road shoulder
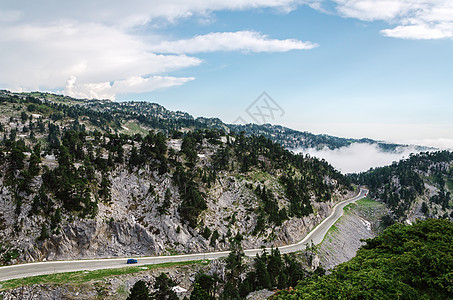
[359,221]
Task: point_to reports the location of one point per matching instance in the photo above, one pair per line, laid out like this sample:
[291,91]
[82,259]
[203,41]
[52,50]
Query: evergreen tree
[139,291]
[198,293]
[163,287]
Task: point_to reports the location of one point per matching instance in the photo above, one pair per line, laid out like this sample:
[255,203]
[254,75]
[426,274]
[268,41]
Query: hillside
[82,180]
[405,262]
[360,221]
[414,188]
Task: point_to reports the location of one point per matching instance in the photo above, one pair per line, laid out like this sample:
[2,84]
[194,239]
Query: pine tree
[198,293]
[163,287]
[139,291]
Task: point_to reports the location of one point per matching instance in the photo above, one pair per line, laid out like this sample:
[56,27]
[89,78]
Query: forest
[266,271]
[401,183]
[405,262]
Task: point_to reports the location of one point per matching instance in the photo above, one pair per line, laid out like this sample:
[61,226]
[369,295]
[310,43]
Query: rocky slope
[360,221]
[72,186]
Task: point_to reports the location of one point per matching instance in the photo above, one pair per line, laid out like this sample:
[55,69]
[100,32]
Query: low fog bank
[441,143]
[359,157]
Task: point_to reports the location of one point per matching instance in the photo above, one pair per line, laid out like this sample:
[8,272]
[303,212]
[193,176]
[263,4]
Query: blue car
[131,261]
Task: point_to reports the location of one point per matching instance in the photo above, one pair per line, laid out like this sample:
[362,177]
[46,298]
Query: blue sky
[355,68]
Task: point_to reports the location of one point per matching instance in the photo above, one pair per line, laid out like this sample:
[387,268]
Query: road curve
[40,268]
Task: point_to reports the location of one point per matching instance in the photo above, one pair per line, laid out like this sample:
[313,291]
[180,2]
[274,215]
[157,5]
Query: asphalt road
[39,268]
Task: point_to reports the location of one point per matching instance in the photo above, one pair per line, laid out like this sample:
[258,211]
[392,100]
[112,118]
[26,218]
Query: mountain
[86,179]
[293,139]
[151,115]
[414,188]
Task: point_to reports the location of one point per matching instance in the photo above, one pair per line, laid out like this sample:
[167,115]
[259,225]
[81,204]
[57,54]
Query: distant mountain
[154,116]
[293,139]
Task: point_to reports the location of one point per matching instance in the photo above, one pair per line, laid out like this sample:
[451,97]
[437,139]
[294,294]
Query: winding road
[40,268]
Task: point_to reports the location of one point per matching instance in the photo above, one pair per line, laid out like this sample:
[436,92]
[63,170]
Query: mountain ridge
[287,137]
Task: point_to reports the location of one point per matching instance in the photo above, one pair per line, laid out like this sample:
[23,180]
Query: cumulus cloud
[45,57]
[107,90]
[420,32]
[104,45]
[232,41]
[136,12]
[415,19]
[358,157]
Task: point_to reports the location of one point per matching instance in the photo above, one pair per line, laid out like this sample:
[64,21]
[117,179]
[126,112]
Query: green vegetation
[366,202]
[405,262]
[267,271]
[86,276]
[7,253]
[400,184]
[134,128]
[139,291]
[162,289]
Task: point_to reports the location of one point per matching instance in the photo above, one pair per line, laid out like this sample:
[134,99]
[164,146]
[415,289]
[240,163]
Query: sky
[380,69]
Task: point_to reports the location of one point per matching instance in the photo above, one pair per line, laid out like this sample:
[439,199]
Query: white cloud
[370,10]
[358,157]
[47,44]
[420,32]
[248,41]
[106,90]
[414,19]
[45,57]
[135,12]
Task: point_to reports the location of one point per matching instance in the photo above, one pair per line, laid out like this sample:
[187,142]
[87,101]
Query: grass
[367,202]
[363,204]
[331,233]
[134,128]
[86,276]
[450,184]
[334,228]
[55,98]
[371,210]
[348,207]
[260,176]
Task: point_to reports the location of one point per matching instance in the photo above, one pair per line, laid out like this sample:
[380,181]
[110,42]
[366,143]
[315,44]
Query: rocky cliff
[77,183]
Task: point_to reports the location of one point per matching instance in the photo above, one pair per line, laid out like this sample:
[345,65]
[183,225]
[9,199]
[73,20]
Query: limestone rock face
[133,222]
[88,239]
